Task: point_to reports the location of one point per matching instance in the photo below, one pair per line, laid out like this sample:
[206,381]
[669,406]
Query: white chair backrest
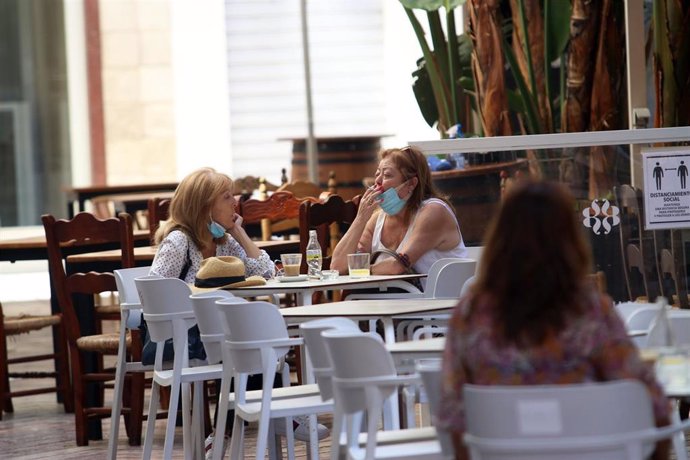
[555,415]
[357,359]
[130,304]
[430,372]
[210,321]
[642,319]
[126,289]
[165,300]
[680,325]
[468,284]
[251,323]
[316,348]
[625,309]
[451,276]
[474,252]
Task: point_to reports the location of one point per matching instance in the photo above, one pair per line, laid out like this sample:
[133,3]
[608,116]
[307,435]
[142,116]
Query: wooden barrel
[350,158]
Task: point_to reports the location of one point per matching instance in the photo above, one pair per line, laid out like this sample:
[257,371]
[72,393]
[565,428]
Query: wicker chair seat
[25,323]
[103,343]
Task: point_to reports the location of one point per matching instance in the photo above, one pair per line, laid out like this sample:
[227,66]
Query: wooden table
[34,247]
[304,289]
[146,253]
[79,195]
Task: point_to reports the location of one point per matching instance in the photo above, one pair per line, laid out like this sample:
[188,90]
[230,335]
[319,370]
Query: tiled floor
[39,428]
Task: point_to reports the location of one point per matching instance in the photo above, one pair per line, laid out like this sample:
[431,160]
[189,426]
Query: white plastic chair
[256,337]
[323,372]
[602,421]
[639,323]
[169,313]
[680,326]
[130,306]
[467,285]
[361,386]
[475,252]
[210,322]
[430,372]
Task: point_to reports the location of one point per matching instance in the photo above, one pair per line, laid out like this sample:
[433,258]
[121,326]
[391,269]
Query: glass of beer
[358,265]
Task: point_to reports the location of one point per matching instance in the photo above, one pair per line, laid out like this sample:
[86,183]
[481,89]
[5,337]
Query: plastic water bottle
[314,256]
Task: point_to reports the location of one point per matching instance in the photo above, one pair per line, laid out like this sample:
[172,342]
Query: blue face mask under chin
[392,203]
[217,230]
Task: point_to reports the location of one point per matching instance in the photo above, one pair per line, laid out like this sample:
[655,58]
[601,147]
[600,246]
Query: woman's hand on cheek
[235,224]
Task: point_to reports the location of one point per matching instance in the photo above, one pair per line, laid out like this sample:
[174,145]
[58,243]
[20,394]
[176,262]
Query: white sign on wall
[666,187]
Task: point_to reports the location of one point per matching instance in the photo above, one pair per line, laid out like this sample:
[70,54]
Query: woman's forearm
[240,235]
[347,245]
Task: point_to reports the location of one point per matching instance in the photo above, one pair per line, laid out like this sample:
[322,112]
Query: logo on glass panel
[601,219]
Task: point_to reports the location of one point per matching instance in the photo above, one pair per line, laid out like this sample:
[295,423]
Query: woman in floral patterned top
[532,317]
[203,223]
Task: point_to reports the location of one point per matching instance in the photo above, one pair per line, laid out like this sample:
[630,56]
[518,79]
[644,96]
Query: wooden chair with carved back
[279,213]
[75,288]
[320,216]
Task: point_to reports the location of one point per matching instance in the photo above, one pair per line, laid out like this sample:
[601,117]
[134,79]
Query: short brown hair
[190,207]
[535,264]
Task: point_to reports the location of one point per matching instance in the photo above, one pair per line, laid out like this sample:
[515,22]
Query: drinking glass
[358,265]
[291,263]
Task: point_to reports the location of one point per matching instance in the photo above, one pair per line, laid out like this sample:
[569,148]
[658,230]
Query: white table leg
[679,439]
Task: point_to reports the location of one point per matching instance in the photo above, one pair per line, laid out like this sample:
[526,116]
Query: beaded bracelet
[405,260]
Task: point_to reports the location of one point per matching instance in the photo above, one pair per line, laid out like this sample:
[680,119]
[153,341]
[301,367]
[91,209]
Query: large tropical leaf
[431,5]
[424,93]
[557,28]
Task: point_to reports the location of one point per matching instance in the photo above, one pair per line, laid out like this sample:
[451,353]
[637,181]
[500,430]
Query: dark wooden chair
[278,214]
[158,210]
[75,291]
[637,246]
[330,219]
[669,247]
[15,325]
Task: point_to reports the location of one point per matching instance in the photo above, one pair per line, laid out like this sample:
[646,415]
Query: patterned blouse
[593,347]
[172,255]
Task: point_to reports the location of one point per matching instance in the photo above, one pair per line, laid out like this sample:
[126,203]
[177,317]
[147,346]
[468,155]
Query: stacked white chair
[256,338]
[430,372]
[130,307]
[602,421]
[210,322]
[361,386]
[169,314]
[323,372]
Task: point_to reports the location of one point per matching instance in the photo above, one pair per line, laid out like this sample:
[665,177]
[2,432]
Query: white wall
[202,112]
[362,55]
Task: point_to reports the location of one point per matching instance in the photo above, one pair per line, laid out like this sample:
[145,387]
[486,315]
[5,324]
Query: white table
[365,310]
[406,353]
[304,289]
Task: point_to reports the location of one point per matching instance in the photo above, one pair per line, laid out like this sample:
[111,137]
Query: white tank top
[427,259]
